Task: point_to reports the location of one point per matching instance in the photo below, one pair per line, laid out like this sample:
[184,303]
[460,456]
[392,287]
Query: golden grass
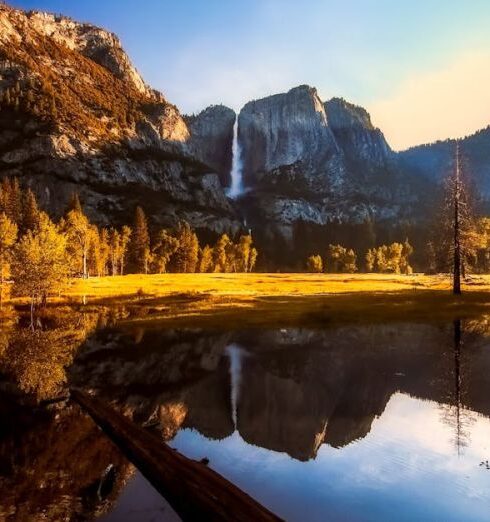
[238,300]
[256,285]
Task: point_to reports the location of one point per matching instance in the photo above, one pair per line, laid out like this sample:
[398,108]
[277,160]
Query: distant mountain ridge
[434,160]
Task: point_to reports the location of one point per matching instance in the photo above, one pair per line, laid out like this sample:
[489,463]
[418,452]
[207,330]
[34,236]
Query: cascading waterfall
[236,188]
[236,354]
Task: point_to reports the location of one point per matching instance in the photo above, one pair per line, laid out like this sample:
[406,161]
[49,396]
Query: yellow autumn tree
[40,263]
[8,236]
[79,233]
[314,264]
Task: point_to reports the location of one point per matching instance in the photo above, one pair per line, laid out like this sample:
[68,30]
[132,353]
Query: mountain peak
[342,114]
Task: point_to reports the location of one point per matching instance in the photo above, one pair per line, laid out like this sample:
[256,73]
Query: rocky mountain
[363,145]
[310,166]
[76,116]
[211,139]
[286,141]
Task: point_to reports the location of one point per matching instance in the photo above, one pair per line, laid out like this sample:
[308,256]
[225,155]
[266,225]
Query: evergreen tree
[453,237]
[140,243]
[125,238]
[30,212]
[187,253]
[74,204]
[11,199]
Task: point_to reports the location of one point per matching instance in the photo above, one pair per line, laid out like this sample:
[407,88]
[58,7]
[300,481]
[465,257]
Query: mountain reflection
[294,391]
[298,388]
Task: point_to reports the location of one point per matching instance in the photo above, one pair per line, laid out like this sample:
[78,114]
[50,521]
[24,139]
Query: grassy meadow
[257,298]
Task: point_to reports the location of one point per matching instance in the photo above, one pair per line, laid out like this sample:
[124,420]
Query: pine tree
[453,237]
[74,204]
[140,242]
[11,199]
[30,212]
[187,254]
[125,237]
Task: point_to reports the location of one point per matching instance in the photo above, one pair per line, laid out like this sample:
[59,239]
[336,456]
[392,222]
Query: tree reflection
[53,461]
[36,360]
[454,412]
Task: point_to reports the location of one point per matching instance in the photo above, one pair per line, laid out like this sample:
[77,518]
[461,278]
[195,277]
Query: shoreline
[260,300]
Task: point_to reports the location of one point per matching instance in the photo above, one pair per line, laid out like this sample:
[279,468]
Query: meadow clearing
[259,298]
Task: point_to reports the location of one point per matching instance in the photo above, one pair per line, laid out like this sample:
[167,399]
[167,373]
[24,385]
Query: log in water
[193,490]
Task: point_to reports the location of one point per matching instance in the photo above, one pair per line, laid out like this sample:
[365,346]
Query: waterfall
[235,353]
[236,187]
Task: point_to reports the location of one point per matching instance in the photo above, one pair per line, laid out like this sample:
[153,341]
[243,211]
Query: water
[347,422]
[236,188]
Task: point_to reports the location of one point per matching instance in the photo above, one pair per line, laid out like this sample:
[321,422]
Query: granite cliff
[310,166]
[211,139]
[76,116]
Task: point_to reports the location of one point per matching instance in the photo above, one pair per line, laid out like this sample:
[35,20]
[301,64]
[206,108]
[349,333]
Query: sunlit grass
[233,300]
[257,284]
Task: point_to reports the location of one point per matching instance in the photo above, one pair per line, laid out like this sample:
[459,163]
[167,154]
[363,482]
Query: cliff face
[286,141]
[76,116]
[362,143]
[308,164]
[212,139]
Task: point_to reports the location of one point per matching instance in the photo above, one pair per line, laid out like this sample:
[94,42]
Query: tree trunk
[195,491]
[32,313]
[84,261]
[1,286]
[457,229]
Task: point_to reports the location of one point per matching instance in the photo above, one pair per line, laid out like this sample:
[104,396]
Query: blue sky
[419,66]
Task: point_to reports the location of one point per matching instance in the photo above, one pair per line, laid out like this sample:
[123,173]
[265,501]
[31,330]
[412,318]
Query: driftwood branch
[195,491]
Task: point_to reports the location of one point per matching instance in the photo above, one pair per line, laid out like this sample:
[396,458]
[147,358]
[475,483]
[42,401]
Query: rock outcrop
[76,116]
[308,164]
[286,141]
[363,145]
[212,139]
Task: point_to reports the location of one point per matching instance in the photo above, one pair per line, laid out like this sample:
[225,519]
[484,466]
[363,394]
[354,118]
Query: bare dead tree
[451,246]
[457,225]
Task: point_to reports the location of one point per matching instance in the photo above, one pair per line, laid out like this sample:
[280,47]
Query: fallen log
[194,491]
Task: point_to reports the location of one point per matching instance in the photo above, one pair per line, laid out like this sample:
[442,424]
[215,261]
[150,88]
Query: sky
[420,67]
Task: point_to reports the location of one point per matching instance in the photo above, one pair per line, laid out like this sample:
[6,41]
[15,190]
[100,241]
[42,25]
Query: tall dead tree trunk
[457,226]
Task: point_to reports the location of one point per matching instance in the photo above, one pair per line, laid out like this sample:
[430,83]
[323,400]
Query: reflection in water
[235,353]
[354,422]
